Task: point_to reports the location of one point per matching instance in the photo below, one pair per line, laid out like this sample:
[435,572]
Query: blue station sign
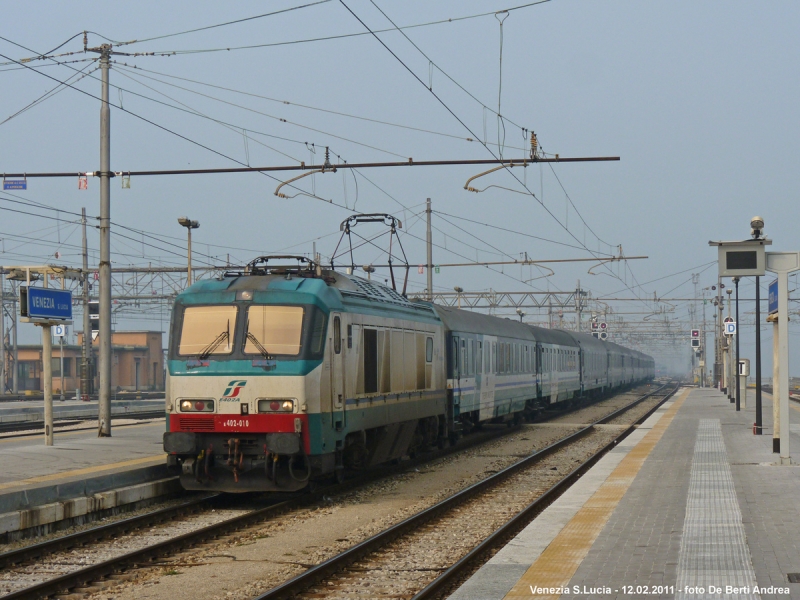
[44,303]
[773,297]
[15,184]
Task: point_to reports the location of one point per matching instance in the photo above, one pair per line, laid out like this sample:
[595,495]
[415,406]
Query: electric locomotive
[279,375]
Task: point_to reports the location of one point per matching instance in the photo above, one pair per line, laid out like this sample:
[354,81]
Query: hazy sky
[699,99]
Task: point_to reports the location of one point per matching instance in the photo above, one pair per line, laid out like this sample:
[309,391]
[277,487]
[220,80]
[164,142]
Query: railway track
[74,582]
[398,562]
[49,555]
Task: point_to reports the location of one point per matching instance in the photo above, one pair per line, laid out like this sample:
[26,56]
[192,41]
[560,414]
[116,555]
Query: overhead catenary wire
[446,107]
[153,123]
[225,24]
[139,69]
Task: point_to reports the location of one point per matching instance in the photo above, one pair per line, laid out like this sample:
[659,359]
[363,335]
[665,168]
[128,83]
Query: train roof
[468,321]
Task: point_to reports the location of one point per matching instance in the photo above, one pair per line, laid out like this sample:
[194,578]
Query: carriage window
[349,336]
[337,335]
[494,357]
[429,350]
[479,357]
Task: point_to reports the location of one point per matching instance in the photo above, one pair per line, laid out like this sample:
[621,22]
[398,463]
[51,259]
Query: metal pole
[14,349]
[759,423]
[703,347]
[728,386]
[429,244]
[736,372]
[47,374]
[783,363]
[776,386]
[578,305]
[104,401]
[189,259]
[61,364]
[86,347]
[2,332]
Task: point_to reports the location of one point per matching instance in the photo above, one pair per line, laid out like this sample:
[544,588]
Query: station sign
[773,297]
[59,331]
[45,304]
[730,328]
[15,184]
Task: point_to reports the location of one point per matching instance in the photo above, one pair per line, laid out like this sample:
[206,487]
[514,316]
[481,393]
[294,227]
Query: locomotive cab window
[208,330]
[429,349]
[277,329]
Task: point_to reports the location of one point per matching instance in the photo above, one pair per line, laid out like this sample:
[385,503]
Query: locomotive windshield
[244,331]
[275,328]
[208,330]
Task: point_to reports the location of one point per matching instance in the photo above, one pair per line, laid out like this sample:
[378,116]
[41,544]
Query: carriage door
[455,377]
[537,369]
[338,398]
[488,379]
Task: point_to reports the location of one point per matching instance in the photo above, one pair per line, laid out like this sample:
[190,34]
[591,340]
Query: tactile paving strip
[713,546]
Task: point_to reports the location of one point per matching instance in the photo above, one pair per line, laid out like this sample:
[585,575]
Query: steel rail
[64,583]
[530,512]
[318,573]
[103,532]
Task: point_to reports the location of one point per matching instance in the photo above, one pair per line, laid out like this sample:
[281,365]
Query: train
[282,373]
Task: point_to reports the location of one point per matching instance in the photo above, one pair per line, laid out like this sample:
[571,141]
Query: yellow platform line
[158,458]
[556,566]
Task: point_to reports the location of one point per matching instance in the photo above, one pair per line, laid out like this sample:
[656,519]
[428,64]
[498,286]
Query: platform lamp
[459,291]
[521,314]
[189,224]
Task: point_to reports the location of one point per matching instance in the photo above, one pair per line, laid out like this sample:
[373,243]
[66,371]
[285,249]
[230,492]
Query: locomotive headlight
[197,406]
[275,405]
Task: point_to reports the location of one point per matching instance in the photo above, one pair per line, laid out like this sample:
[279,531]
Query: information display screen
[747,259]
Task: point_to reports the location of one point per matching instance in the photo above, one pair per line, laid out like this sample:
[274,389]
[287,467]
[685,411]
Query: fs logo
[232,391]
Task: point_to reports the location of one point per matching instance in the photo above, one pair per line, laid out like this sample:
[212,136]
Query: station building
[137,363]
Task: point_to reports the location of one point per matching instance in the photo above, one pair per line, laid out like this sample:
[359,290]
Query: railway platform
[80,474]
[691,505]
[33,410]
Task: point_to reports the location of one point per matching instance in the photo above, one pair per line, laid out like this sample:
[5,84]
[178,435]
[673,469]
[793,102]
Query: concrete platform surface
[79,463]
[692,505]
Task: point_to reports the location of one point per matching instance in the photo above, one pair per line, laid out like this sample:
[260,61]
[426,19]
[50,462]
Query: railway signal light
[94,318]
[695,334]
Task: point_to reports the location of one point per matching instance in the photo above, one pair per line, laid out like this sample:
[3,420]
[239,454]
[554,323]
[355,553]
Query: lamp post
[521,314]
[189,224]
[458,291]
[757,231]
